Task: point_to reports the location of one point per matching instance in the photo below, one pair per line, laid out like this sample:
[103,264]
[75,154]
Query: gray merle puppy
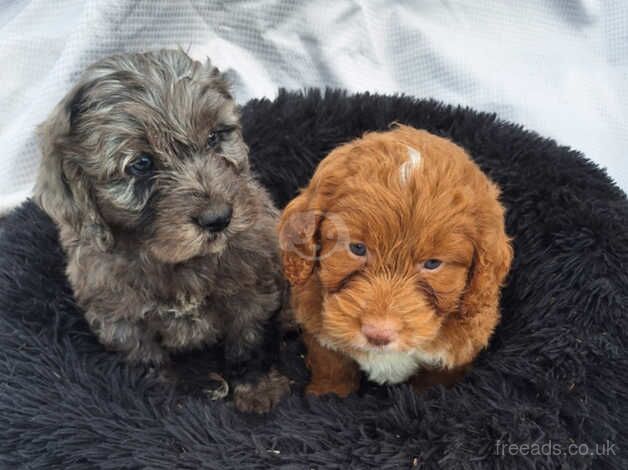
[171,243]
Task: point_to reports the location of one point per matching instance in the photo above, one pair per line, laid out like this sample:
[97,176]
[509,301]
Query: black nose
[215,220]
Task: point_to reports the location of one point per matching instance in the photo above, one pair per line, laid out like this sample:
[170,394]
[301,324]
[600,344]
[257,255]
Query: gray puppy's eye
[220,134]
[212,139]
[141,166]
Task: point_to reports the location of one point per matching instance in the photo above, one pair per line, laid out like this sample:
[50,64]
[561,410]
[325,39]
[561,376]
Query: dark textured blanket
[555,375]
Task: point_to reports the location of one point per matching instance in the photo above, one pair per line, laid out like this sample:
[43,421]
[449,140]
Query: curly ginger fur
[408,196]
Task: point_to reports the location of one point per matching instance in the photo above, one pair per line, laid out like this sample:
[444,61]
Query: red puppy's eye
[432,264]
[358,249]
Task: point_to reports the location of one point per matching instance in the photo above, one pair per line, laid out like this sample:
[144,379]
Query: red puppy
[396,252]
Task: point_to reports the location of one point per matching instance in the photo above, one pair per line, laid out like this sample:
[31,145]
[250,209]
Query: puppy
[171,243]
[396,252]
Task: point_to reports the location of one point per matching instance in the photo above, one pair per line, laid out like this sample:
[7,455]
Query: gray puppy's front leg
[134,339]
[251,349]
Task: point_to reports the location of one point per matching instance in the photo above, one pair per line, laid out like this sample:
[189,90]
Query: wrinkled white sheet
[558,67]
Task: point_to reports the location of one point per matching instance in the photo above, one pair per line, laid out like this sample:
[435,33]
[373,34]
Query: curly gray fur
[149,278]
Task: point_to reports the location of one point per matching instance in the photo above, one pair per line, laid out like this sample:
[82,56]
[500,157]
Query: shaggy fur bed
[556,370]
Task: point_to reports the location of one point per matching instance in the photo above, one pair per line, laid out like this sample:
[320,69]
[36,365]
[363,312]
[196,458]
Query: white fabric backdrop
[558,67]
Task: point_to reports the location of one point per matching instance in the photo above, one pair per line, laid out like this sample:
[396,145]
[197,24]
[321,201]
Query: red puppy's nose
[379,335]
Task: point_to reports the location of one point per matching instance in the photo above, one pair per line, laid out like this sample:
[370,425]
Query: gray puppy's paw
[262,396]
[219,388]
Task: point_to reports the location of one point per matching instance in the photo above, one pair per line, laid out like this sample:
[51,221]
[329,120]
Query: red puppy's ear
[492,259]
[298,233]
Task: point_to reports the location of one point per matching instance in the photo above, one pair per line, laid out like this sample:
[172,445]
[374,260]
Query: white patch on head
[394,367]
[413,162]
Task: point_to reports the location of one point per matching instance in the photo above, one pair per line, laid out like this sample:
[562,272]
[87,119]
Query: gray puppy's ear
[217,79]
[62,189]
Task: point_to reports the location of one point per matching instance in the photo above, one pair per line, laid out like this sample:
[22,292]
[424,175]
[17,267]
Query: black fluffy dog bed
[554,376]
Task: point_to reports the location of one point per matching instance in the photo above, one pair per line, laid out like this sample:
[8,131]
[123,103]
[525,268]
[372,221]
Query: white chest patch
[394,367]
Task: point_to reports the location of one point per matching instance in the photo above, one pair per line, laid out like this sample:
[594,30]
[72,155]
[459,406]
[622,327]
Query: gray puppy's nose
[216,219]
